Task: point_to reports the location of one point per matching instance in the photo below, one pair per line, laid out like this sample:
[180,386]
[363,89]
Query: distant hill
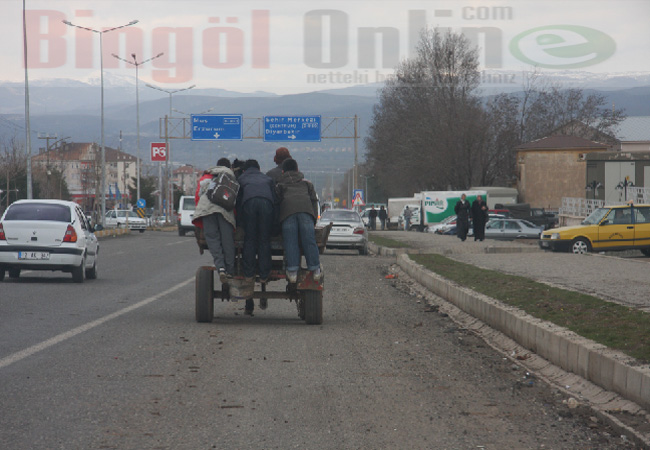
[71,108]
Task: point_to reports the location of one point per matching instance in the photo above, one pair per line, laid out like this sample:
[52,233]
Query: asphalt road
[120,363]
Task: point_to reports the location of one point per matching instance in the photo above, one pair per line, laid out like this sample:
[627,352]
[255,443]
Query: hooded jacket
[253,183]
[204,207]
[296,195]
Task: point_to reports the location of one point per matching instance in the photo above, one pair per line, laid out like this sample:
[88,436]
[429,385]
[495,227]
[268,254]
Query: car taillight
[2,233]
[70,235]
[359,230]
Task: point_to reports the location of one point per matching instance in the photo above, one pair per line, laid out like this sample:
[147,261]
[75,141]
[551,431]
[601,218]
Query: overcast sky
[290,46]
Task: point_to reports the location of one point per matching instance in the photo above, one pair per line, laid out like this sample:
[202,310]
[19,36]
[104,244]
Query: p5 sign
[158,151]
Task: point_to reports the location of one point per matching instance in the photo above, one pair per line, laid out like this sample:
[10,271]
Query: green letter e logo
[562,46]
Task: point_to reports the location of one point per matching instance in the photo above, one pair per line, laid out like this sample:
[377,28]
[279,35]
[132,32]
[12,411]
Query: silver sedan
[348,230]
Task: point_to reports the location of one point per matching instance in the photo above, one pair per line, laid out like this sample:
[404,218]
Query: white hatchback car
[47,235]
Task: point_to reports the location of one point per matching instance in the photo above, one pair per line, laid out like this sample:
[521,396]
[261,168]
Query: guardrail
[579,207]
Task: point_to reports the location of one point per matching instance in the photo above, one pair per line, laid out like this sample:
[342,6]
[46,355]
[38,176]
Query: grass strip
[613,325]
[387,242]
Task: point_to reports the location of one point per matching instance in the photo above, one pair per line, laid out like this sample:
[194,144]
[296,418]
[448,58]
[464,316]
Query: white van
[186,207]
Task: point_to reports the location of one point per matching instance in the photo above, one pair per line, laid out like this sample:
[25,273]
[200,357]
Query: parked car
[47,235]
[415,218]
[121,218]
[348,230]
[623,227]
[365,218]
[446,223]
[186,207]
[512,229]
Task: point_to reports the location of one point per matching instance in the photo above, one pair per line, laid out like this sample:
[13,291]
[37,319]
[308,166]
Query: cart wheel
[204,294]
[314,307]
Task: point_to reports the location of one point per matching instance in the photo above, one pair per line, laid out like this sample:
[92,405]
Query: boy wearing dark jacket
[298,214]
[255,204]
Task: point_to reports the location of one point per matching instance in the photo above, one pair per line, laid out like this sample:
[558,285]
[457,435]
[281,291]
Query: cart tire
[204,295]
[314,307]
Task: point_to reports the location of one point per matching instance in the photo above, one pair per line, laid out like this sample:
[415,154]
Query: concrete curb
[609,369]
[491,249]
[113,232]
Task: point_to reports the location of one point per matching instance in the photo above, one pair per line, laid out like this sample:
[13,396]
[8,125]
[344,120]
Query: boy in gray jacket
[217,223]
[298,214]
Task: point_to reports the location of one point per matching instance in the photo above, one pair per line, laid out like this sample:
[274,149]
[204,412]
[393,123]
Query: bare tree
[418,139]
[13,171]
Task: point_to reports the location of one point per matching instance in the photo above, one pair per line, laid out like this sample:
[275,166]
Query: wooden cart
[307,293]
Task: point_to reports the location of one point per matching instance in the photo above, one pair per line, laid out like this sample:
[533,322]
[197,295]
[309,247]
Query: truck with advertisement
[438,205]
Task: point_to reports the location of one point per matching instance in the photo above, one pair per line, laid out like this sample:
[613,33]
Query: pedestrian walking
[216,223]
[408,214]
[298,212]
[463,211]
[372,218]
[479,217]
[255,211]
[382,217]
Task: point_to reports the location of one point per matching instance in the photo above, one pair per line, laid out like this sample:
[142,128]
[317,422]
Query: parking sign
[158,151]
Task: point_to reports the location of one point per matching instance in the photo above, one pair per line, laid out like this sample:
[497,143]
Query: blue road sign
[217,127]
[292,128]
[141,203]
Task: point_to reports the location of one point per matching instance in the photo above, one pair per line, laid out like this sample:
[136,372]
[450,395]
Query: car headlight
[555,235]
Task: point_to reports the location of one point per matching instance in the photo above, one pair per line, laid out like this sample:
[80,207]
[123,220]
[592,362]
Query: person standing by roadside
[382,217]
[281,154]
[255,211]
[408,214]
[372,216]
[479,217]
[218,225]
[298,214]
[463,211]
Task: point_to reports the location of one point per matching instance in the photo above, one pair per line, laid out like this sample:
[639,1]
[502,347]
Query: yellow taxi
[621,227]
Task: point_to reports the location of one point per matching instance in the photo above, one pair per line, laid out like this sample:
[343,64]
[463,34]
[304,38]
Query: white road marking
[8,360]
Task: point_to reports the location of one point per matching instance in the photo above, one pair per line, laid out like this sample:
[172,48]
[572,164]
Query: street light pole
[101,69]
[28,130]
[170,198]
[137,108]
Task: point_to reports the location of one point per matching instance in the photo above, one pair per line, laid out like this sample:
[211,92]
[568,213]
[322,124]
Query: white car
[47,235]
[348,230]
[120,218]
[415,218]
[186,207]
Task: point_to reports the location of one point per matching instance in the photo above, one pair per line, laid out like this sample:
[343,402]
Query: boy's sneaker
[223,276]
[292,276]
[318,274]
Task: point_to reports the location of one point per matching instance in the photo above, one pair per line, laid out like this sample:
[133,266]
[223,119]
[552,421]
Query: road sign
[158,151]
[141,203]
[217,127]
[357,198]
[292,128]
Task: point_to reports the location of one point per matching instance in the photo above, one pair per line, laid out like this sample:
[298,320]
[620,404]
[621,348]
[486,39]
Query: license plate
[341,230]
[34,255]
